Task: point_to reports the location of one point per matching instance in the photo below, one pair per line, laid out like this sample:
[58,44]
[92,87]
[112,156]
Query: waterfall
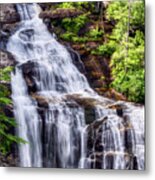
[51,115]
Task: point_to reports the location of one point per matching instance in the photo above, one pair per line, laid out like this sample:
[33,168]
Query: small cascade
[53,103]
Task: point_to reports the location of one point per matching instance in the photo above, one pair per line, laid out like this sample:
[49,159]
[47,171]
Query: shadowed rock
[8,14]
[6,59]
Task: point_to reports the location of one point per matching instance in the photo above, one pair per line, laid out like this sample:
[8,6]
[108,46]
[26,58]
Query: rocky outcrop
[8,14]
[88,103]
[6,59]
[60,13]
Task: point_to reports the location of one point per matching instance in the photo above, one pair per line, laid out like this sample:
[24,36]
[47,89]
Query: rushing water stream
[61,138]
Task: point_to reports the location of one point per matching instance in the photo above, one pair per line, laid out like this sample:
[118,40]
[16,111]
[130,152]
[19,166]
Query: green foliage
[118,11]
[5,100]
[95,33]
[69,36]
[5,73]
[92,35]
[78,5]
[7,139]
[74,24]
[127,61]
[4,91]
[106,49]
[65,5]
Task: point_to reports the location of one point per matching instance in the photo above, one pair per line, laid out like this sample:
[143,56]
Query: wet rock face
[6,59]
[8,14]
[9,19]
[77,60]
[101,146]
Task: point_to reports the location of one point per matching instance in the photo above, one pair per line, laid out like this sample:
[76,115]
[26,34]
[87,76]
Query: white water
[60,139]
[25,111]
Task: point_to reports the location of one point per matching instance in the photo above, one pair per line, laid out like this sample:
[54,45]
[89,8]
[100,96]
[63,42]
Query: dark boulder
[30,70]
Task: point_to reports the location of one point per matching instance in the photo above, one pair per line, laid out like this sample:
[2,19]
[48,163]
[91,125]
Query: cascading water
[61,136]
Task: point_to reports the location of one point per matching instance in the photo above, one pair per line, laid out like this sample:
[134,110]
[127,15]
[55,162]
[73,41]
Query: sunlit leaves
[5,73]
[127,61]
